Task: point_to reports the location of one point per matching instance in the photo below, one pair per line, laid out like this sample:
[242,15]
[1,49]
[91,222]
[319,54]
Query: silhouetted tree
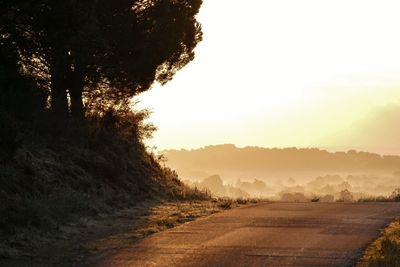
[101,50]
[18,92]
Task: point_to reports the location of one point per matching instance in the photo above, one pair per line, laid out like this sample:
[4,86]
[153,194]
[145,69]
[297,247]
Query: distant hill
[252,160]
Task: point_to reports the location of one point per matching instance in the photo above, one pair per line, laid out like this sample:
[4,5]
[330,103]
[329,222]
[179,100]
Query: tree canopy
[96,54]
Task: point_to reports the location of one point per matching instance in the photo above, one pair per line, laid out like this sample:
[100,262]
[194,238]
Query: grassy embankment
[385,251]
[55,174]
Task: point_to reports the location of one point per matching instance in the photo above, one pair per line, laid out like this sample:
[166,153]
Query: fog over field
[291,174]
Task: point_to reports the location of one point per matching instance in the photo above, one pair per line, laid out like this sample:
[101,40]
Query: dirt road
[267,234]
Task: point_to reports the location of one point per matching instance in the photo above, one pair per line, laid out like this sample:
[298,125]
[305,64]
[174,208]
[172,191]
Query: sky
[284,73]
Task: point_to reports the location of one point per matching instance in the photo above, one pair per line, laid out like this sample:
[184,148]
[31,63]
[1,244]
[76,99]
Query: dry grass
[165,216]
[385,251]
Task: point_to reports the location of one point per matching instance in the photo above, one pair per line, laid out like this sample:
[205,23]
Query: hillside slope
[48,180]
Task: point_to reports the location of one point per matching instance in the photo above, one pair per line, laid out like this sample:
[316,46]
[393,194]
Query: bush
[345,196]
[385,251]
[315,199]
[396,195]
[242,201]
[391,253]
[327,198]
[225,203]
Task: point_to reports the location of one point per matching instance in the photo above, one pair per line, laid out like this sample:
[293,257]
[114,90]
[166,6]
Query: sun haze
[286,73]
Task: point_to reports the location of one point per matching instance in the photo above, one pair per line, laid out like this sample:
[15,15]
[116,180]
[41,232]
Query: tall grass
[385,251]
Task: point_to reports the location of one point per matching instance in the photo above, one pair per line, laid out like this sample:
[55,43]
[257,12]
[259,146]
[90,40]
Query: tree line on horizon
[229,157]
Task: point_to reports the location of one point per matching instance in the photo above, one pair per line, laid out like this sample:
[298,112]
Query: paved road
[268,234]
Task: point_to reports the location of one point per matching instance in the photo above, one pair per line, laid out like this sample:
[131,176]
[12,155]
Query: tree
[18,92]
[396,195]
[100,53]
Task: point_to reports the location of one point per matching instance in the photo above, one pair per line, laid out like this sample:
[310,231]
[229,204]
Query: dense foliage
[92,55]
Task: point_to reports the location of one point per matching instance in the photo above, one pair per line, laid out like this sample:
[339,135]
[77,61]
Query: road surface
[267,234]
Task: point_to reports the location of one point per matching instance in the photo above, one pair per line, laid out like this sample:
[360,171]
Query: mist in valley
[289,174]
[326,188]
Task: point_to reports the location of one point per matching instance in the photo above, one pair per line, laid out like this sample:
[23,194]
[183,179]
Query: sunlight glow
[283,73]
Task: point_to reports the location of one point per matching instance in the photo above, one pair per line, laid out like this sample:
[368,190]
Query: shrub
[396,195]
[327,198]
[345,196]
[388,254]
[225,203]
[385,251]
[242,201]
[315,199]
[391,253]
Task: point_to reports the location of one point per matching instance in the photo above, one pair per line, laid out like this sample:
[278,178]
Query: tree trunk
[76,84]
[75,93]
[59,101]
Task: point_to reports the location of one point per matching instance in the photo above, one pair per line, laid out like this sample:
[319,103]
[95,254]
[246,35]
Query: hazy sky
[287,73]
